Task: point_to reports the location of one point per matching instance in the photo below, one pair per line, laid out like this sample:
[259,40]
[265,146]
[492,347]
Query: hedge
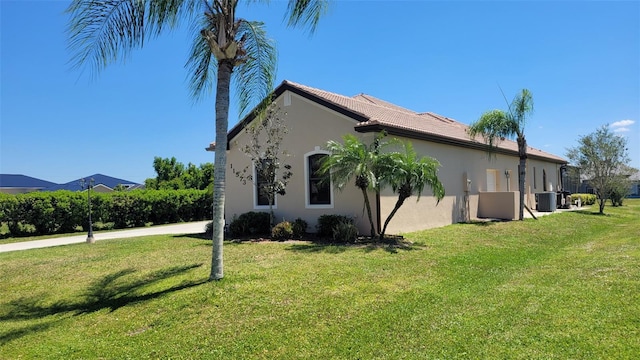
[45,213]
[585,199]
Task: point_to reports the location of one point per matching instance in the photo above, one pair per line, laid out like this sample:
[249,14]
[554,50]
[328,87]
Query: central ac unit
[546,201]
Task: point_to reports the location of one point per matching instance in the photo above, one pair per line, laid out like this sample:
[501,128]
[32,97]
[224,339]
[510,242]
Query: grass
[563,286]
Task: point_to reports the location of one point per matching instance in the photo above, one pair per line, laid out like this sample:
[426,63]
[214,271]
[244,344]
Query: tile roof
[375,114]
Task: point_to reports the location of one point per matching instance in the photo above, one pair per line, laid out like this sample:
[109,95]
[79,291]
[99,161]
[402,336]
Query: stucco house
[477,184]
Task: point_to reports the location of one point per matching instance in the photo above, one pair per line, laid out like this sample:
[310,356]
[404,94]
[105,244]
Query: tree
[621,185]
[407,175]
[602,157]
[263,148]
[354,159]
[100,32]
[495,125]
[172,174]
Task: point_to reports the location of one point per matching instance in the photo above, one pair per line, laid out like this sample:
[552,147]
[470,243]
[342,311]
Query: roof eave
[445,140]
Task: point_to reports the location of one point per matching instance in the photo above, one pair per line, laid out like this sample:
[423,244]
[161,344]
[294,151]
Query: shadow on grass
[110,292]
[587,212]
[200,236]
[392,246]
[317,248]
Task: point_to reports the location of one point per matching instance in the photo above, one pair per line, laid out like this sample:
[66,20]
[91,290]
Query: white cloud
[622,123]
[622,126]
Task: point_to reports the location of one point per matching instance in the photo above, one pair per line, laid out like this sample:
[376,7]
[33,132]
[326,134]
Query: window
[260,195]
[544,180]
[535,184]
[318,186]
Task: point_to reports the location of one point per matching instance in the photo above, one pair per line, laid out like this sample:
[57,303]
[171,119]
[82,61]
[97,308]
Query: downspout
[378,218]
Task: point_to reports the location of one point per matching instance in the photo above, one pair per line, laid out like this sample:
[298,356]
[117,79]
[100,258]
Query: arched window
[318,190]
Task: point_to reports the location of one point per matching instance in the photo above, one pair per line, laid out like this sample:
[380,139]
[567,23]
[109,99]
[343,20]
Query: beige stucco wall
[499,204]
[311,126]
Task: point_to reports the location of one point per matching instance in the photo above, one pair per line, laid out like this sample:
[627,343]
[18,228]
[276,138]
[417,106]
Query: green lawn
[564,286]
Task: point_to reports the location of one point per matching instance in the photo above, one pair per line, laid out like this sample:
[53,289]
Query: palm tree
[496,125]
[354,159]
[407,174]
[100,32]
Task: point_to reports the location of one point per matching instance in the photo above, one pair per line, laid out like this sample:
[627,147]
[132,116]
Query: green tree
[407,174]
[173,175]
[355,159]
[100,32]
[602,157]
[495,125]
[265,137]
[621,185]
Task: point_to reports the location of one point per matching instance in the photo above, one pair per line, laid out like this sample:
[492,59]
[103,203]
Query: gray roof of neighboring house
[98,179]
[27,182]
[23,181]
[376,115]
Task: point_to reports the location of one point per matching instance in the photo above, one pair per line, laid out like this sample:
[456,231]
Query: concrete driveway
[183,228]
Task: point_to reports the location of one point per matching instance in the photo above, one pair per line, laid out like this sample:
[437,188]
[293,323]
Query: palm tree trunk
[399,203]
[368,207]
[522,173]
[225,67]
[521,180]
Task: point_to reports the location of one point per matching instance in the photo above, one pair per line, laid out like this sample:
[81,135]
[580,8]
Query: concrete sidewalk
[183,228]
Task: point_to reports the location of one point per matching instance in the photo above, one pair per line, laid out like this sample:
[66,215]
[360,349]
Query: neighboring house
[19,184]
[477,184]
[634,190]
[635,185]
[102,183]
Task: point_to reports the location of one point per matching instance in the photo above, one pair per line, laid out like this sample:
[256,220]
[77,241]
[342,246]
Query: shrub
[299,228]
[250,223]
[43,213]
[585,199]
[326,224]
[282,231]
[345,232]
[208,229]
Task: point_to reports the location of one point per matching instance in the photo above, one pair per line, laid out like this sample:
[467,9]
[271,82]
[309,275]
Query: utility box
[546,201]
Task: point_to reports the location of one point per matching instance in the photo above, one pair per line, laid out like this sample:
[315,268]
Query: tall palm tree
[407,174]
[496,125]
[101,32]
[355,159]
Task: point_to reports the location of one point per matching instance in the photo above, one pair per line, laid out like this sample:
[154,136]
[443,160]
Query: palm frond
[255,73]
[163,13]
[493,126]
[102,32]
[306,13]
[201,65]
[520,108]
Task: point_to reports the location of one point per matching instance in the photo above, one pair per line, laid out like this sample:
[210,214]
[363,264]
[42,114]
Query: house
[635,185]
[101,183]
[18,184]
[477,184]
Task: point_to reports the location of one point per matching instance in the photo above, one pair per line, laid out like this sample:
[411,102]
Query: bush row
[336,228]
[585,199]
[44,213]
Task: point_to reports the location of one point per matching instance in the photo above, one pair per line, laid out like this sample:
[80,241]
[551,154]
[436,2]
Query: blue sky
[581,61]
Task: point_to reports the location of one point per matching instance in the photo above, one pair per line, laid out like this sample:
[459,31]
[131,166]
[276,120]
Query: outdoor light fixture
[90,239]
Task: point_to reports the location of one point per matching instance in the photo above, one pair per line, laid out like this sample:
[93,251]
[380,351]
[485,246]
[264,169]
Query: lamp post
[90,239]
